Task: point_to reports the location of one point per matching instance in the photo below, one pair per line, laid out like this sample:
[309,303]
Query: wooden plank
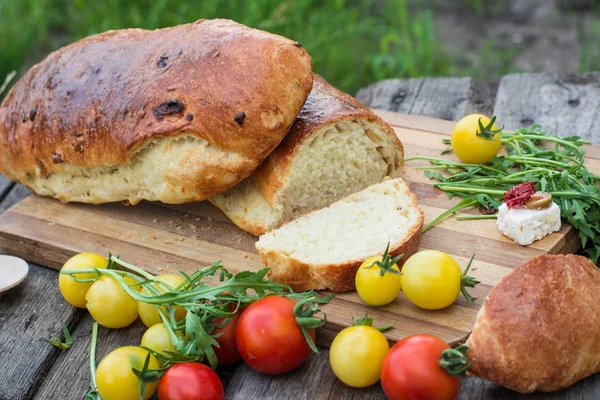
[5,186]
[17,193]
[69,377]
[98,236]
[444,98]
[567,106]
[475,388]
[422,96]
[28,313]
[310,381]
[342,391]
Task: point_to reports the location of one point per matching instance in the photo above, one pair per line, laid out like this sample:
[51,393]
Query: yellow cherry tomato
[376,289]
[157,338]
[115,378]
[109,304]
[431,279]
[470,147]
[356,355]
[148,312]
[74,292]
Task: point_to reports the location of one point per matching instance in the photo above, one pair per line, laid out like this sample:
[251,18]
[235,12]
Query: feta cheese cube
[525,226]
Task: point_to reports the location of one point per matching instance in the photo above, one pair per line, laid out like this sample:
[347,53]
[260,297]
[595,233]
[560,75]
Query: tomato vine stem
[92,393]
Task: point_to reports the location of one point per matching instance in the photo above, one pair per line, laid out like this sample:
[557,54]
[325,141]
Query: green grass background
[353,42]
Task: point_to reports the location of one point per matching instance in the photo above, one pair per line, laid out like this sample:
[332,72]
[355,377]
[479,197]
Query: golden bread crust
[95,102]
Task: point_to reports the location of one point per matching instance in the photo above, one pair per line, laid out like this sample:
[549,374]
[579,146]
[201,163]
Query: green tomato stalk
[455,361]
[387,263]
[468,281]
[368,321]
[488,132]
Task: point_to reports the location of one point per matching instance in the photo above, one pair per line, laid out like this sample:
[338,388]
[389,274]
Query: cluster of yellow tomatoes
[111,306]
[431,279]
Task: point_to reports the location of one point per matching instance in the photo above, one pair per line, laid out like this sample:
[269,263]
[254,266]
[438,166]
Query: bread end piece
[302,273]
[539,328]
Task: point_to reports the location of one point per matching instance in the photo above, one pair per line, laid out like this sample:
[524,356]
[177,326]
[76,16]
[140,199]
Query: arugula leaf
[208,294]
[559,171]
[60,344]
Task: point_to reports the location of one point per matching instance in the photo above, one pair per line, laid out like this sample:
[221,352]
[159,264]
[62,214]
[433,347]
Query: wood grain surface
[567,106]
[26,318]
[160,238]
[5,185]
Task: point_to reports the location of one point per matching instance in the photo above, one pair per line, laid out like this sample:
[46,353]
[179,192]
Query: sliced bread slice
[323,249]
[335,147]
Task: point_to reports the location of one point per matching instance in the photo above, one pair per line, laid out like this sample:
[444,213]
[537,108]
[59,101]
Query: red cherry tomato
[268,337]
[411,370]
[228,352]
[190,381]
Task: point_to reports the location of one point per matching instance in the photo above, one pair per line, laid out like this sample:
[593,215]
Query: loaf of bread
[177,114]
[335,147]
[539,328]
[323,249]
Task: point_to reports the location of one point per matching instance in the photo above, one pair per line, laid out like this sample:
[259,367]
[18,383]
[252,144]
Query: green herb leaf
[559,171]
[58,343]
[304,312]
[92,393]
[461,205]
[208,294]
[368,321]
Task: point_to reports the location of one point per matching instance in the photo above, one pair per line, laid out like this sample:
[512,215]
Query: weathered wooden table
[32,369]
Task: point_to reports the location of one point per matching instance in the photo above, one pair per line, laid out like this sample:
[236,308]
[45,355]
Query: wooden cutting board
[166,238]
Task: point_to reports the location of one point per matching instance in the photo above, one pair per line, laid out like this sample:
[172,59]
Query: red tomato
[190,381]
[228,352]
[411,370]
[268,337]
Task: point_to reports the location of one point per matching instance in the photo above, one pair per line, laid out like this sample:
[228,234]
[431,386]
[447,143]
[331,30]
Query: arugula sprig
[92,393]
[554,164]
[59,343]
[208,294]
[305,310]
